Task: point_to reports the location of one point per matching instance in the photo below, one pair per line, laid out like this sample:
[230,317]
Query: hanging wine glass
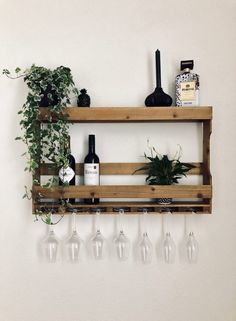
[146,248]
[98,239]
[74,243]
[51,244]
[122,243]
[192,248]
[169,248]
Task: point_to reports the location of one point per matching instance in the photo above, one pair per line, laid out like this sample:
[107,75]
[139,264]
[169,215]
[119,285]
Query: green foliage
[45,142]
[163,170]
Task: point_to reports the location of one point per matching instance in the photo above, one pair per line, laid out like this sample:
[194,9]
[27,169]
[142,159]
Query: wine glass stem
[74,221]
[145,221]
[121,218]
[97,220]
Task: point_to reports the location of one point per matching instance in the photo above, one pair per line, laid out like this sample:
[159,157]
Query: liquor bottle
[91,169]
[67,173]
[187,85]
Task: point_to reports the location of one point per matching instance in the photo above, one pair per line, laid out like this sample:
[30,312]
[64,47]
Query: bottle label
[91,174]
[188,91]
[66,174]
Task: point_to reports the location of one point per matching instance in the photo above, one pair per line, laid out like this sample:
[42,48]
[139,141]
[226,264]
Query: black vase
[158,97]
[83,99]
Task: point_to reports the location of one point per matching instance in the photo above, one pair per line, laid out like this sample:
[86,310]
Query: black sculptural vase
[158,97]
[83,99]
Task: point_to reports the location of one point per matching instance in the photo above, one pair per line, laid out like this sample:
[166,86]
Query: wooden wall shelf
[186,198]
[132,114]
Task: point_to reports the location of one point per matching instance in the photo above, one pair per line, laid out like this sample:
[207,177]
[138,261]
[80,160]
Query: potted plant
[52,89]
[164,170]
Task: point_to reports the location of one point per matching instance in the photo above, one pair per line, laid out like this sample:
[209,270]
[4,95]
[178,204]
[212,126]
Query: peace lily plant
[164,170]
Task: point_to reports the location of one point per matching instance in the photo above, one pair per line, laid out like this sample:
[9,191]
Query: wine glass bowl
[97,245]
[169,248]
[192,248]
[146,249]
[73,246]
[74,242]
[145,245]
[98,241]
[122,243]
[122,246]
[51,245]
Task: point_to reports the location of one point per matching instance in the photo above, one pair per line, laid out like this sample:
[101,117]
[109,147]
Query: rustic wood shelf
[186,198]
[125,191]
[113,169]
[132,114]
[129,207]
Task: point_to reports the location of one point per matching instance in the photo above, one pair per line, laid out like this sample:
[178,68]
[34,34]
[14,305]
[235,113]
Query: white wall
[110,46]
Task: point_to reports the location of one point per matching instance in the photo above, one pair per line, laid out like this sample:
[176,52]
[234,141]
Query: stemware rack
[197,198]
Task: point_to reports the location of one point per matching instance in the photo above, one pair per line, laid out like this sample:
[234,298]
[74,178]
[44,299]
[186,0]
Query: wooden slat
[133,114]
[126,191]
[113,169]
[119,204]
[131,207]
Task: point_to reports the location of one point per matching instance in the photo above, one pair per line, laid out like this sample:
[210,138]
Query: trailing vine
[45,141]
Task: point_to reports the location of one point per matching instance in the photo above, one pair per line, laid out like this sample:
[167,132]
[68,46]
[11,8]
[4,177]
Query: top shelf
[132,114]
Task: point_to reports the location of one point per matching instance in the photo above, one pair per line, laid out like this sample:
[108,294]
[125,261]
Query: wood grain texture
[133,114]
[126,191]
[113,169]
[132,207]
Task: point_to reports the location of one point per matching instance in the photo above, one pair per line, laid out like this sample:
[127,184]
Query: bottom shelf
[186,198]
[129,207]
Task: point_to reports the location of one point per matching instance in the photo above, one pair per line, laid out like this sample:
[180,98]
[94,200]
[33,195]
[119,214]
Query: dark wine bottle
[91,169]
[67,174]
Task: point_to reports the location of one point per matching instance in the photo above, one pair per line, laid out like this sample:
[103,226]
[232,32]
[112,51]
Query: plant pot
[45,101]
[164,200]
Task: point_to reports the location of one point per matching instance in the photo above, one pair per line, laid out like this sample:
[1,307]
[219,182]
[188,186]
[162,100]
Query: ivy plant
[45,141]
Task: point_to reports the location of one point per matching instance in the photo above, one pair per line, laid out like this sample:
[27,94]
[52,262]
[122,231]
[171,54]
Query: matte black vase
[158,97]
[83,99]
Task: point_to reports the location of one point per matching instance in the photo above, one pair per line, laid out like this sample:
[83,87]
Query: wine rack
[197,198]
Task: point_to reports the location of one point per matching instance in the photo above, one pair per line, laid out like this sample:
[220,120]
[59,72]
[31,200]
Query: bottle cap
[186,64]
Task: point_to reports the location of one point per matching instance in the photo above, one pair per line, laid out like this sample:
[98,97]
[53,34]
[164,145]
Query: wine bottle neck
[91,144]
[91,149]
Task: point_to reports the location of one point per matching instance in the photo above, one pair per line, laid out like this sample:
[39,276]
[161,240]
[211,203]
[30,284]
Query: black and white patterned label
[66,174]
[187,89]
